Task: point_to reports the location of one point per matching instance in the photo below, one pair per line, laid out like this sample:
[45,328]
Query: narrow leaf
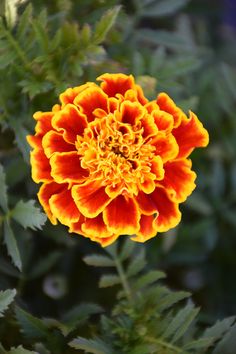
[44,265]
[98,260]
[127,249]
[219,328]
[81,312]
[11,244]
[137,264]
[94,346]
[6,298]
[32,326]
[3,190]
[164,8]
[108,280]
[202,343]
[20,350]
[171,298]
[28,215]
[105,24]
[227,344]
[148,279]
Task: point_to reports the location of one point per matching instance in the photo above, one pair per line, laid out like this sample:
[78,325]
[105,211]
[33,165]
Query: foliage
[177,46]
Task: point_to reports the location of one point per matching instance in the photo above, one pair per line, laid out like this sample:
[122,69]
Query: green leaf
[11,245]
[20,137]
[3,190]
[97,260]
[105,24]
[31,326]
[20,350]
[137,264]
[94,346]
[44,265]
[228,343]
[23,24]
[219,328]
[171,298]
[202,343]
[6,298]
[164,8]
[108,280]
[180,323]
[148,279]
[28,215]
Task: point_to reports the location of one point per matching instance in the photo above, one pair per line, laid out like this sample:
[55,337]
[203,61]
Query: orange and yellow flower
[113,163]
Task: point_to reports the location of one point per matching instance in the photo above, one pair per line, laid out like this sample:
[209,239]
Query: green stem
[123,279]
[164,344]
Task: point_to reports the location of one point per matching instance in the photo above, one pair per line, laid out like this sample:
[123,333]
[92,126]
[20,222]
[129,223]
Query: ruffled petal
[122,216]
[90,198]
[91,99]
[131,112]
[148,229]
[46,191]
[95,227]
[163,120]
[34,141]
[149,127]
[167,104]
[116,83]
[169,215]
[157,168]
[43,122]
[179,180]
[146,204]
[166,146]
[189,135]
[69,95]
[66,167]
[41,169]
[54,142]
[64,208]
[71,122]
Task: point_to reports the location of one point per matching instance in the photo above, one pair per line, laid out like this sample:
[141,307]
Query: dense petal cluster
[113,163]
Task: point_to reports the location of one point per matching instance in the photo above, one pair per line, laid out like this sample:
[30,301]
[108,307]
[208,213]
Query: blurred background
[185,48]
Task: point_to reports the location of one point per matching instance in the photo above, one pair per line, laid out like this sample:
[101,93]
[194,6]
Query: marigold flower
[112,162]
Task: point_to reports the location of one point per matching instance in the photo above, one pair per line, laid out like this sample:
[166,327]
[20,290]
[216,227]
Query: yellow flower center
[116,153]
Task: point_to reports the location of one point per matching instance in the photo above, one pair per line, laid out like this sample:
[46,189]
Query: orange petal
[70,121]
[147,186]
[41,169]
[69,95]
[189,135]
[148,229]
[34,141]
[64,208]
[91,99]
[43,122]
[106,241]
[157,168]
[131,112]
[169,215]
[91,198]
[166,146]
[122,216]
[45,193]
[54,142]
[95,227]
[145,204]
[179,179]
[167,104]
[149,126]
[163,120]
[66,167]
[116,83]
[151,106]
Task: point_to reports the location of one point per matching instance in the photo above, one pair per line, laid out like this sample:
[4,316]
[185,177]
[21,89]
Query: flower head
[113,163]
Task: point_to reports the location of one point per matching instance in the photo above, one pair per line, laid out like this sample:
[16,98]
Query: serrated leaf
[136,264]
[6,298]
[97,260]
[28,215]
[108,280]
[23,24]
[227,344]
[202,343]
[164,8]
[171,298]
[31,326]
[3,190]
[11,244]
[105,24]
[94,346]
[148,279]
[20,137]
[127,249]
[219,328]
[44,265]
[20,350]
[180,323]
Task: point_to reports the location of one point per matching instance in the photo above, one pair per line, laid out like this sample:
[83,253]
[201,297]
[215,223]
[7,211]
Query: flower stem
[123,279]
